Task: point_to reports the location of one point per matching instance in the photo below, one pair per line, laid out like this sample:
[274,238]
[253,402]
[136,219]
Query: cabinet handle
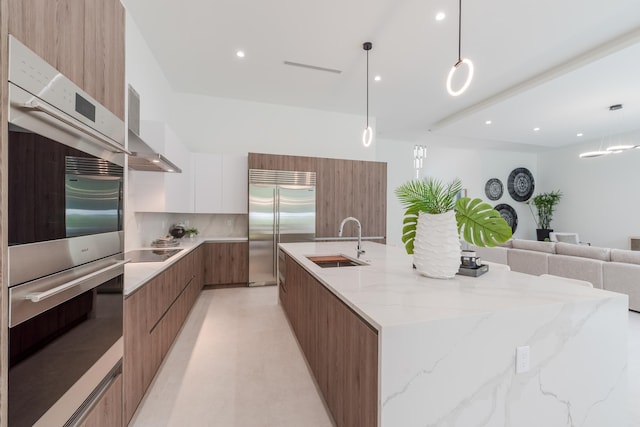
[39,296]
[35,105]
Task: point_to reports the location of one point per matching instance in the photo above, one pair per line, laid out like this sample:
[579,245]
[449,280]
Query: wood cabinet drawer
[226,263]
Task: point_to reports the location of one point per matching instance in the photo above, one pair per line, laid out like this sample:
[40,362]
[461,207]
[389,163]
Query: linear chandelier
[613,149]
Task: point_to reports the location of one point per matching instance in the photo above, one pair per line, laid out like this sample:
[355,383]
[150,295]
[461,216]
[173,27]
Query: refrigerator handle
[276,228]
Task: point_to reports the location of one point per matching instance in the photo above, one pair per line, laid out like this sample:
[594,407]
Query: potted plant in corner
[191,232]
[434,220]
[545,204]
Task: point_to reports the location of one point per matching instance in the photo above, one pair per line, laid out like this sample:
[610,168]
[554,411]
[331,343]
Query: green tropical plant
[191,231]
[545,204]
[478,223]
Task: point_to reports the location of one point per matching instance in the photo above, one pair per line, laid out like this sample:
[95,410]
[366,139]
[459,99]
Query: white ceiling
[551,64]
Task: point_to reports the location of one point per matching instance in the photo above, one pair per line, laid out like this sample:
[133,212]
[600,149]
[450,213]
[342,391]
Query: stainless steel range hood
[143,157]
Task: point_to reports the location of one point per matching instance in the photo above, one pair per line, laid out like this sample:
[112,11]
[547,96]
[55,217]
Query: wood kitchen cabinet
[83,39]
[343,188]
[104,53]
[108,410]
[153,316]
[340,347]
[226,263]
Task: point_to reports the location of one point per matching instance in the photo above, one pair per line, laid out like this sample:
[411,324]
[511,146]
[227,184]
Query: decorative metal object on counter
[177,230]
[165,242]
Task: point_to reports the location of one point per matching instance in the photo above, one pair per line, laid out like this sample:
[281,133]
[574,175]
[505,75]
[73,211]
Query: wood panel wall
[4,136]
[343,188]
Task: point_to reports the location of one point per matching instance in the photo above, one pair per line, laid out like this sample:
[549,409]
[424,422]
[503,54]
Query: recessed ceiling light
[536,129]
[240,54]
[440,16]
[488,122]
[377,78]
[155,161]
[579,134]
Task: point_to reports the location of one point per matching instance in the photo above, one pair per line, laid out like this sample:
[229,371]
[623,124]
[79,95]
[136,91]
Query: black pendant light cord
[459,32]
[367,47]
[367,89]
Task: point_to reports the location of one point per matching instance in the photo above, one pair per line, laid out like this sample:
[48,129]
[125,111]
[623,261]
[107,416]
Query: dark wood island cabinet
[340,347]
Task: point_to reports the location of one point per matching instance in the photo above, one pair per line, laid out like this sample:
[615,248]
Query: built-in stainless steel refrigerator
[282,208]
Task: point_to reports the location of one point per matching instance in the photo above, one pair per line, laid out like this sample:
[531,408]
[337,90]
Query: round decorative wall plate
[520,184]
[493,189]
[509,214]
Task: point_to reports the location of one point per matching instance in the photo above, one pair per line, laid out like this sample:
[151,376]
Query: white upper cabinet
[163,191]
[221,183]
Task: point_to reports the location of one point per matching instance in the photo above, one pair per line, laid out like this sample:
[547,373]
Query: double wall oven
[66,157]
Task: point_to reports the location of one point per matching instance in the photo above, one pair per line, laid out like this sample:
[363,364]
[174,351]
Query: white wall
[220,125]
[601,195]
[473,166]
[145,75]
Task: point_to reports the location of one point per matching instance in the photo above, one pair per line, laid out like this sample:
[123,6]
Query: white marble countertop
[389,292]
[137,274]
[447,348]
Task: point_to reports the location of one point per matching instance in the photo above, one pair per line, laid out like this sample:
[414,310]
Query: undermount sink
[329,261]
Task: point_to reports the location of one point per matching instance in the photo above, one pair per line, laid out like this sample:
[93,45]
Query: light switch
[523,359]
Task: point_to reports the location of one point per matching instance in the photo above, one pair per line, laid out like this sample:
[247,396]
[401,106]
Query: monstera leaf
[409,224]
[480,224]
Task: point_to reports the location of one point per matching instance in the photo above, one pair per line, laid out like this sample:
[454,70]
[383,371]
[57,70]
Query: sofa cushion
[625,279]
[496,254]
[530,262]
[534,245]
[580,268]
[507,244]
[621,255]
[603,254]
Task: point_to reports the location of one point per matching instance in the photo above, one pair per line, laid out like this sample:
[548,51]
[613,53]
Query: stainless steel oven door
[44,101]
[65,338]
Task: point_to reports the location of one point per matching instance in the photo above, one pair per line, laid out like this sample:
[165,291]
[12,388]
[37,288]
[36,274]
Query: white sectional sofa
[615,270]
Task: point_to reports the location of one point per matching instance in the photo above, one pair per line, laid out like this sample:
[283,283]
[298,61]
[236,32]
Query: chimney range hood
[143,157]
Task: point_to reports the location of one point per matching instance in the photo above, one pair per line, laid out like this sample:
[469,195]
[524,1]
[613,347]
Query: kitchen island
[444,351]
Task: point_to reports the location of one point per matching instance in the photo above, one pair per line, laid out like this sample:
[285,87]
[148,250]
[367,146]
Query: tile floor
[236,363]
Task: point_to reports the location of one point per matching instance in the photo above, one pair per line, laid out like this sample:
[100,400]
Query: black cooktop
[150,255]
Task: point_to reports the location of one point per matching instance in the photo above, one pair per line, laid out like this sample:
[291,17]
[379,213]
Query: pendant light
[419,154]
[465,61]
[367,135]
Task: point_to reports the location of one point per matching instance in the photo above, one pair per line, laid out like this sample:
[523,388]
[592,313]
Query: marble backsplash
[141,228]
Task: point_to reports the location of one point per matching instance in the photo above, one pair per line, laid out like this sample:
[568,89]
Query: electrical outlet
[523,359]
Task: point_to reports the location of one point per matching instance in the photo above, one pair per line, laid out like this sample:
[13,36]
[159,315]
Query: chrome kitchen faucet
[344,221]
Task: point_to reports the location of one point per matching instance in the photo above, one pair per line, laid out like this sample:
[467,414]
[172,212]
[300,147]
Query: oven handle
[35,105]
[39,296]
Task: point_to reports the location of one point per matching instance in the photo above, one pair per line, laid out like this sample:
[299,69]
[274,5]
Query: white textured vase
[436,249]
